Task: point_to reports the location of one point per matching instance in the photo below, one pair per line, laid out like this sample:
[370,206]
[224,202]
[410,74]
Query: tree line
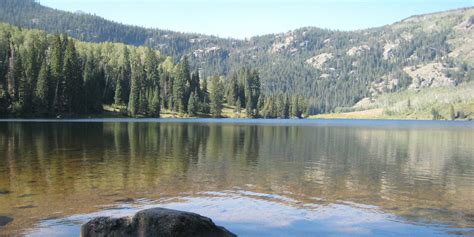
[44,75]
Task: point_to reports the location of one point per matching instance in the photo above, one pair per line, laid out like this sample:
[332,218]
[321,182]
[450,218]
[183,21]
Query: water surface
[255,177]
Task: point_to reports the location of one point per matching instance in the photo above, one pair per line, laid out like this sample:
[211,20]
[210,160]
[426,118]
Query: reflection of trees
[393,168]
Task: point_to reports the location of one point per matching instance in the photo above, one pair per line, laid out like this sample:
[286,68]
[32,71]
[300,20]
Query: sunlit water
[254,177]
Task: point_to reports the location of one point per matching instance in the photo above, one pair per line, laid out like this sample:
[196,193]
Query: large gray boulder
[156,222]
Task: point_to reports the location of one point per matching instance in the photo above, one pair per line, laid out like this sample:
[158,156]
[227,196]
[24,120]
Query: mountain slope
[330,68]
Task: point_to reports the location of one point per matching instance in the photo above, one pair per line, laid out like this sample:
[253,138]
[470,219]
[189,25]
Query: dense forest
[332,70]
[45,75]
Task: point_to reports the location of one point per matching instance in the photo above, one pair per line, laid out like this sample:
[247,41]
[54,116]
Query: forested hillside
[44,75]
[331,69]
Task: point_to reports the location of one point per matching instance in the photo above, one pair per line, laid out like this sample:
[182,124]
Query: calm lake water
[255,177]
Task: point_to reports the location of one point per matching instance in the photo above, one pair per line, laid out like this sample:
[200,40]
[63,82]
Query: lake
[254,177]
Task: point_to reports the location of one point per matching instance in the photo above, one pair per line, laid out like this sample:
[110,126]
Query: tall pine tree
[42,92]
[73,86]
[216,96]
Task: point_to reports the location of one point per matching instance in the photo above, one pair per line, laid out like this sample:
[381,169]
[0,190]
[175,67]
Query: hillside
[332,69]
[440,103]
[54,75]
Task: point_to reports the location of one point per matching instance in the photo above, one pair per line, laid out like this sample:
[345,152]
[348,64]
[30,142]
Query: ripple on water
[269,217]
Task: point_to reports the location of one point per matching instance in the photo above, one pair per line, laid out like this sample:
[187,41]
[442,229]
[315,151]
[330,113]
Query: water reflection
[55,170]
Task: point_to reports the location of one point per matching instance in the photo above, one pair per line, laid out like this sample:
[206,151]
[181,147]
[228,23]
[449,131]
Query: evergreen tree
[204,88]
[294,106]
[166,86]
[56,67]
[193,104]
[73,87]
[134,100]
[125,74]
[143,98]
[194,85]
[238,106]
[179,86]
[232,89]
[286,108]
[22,97]
[302,107]
[252,93]
[244,74]
[118,97]
[4,53]
[155,104]
[92,88]
[42,92]
[217,96]
[204,100]
[152,87]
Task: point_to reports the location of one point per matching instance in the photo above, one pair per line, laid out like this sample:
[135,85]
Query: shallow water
[255,177]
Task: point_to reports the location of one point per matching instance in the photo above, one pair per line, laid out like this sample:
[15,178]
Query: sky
[246,18]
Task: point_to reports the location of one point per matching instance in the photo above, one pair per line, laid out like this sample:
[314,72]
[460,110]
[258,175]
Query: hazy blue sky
[246,18]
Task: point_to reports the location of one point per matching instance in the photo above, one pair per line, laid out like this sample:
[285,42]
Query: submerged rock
[157,222]
[27,207]
[4,220]
[125,200]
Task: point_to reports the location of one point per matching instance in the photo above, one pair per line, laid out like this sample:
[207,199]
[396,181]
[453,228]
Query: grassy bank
[443,103]
[228,111]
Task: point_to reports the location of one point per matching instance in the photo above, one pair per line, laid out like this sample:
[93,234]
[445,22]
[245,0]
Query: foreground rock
[4,220]
[157,222]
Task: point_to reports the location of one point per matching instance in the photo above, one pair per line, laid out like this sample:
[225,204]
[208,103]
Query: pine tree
[31,67]
[233,90]
[238,106]
[125,75]
[92,88]
[21,99]
[42,92]
[286,108]
[179,86]
[244,74]
[134,100]
[152,87]
[143,99]
[166,86]
[4,100]
[155,104]
[217,96]
[193,104]
[204,100]
[56,67]
[294,106]
[252,93]
[118,97]
[194,84]
[73,87]
[303,108]
[204,88]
